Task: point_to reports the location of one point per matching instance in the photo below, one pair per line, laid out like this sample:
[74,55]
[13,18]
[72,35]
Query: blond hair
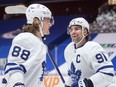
[32,28]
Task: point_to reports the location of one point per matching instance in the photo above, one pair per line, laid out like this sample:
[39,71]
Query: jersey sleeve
[102,65]
[23,53]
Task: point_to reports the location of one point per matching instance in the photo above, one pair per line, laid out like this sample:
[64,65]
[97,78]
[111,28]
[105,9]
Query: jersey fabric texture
[26,61]
[89,61]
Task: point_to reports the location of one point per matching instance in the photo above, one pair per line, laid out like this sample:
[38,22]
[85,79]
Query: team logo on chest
[73,73]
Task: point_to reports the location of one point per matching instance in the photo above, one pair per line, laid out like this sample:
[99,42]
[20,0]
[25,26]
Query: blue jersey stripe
[105,67]
[23,67]
[12,69]
[9,64]
[110,74]
[20,67]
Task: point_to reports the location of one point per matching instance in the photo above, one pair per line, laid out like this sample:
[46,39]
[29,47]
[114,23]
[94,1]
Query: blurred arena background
[101,14]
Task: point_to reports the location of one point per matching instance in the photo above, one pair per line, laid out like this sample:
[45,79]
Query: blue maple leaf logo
[75,75]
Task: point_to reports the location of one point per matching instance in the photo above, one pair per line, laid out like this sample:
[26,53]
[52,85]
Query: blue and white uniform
[89,61]
[26,61]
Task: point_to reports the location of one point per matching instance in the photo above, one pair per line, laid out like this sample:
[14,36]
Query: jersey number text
[17,51]
[101,57]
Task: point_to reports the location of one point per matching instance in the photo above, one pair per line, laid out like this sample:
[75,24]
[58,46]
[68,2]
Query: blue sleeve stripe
[20,67]
[110,74]
[12,69]
[105,67]
[23,67]
[9,64]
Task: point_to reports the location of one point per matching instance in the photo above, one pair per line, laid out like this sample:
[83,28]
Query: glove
[83,83]
[67,86]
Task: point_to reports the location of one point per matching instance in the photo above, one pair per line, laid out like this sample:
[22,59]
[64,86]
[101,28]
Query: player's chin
[74,39]
[47,33]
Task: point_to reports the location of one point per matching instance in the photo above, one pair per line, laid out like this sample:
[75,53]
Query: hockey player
[27,56]
[88,63]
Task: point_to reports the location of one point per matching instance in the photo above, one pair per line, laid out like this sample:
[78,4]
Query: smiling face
[75,32]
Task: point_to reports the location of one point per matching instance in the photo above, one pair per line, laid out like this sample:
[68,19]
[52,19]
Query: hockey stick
[55,65]
[16,9]
[53,62]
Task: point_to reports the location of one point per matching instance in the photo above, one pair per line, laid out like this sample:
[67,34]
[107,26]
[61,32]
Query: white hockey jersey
[89,61]
[28,56]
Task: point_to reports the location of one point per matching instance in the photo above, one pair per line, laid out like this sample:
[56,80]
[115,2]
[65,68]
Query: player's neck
[81,43]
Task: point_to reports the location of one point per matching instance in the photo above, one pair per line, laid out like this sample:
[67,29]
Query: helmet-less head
[38,11]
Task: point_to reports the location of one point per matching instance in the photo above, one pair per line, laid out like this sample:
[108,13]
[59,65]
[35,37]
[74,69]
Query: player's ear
[85,32]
